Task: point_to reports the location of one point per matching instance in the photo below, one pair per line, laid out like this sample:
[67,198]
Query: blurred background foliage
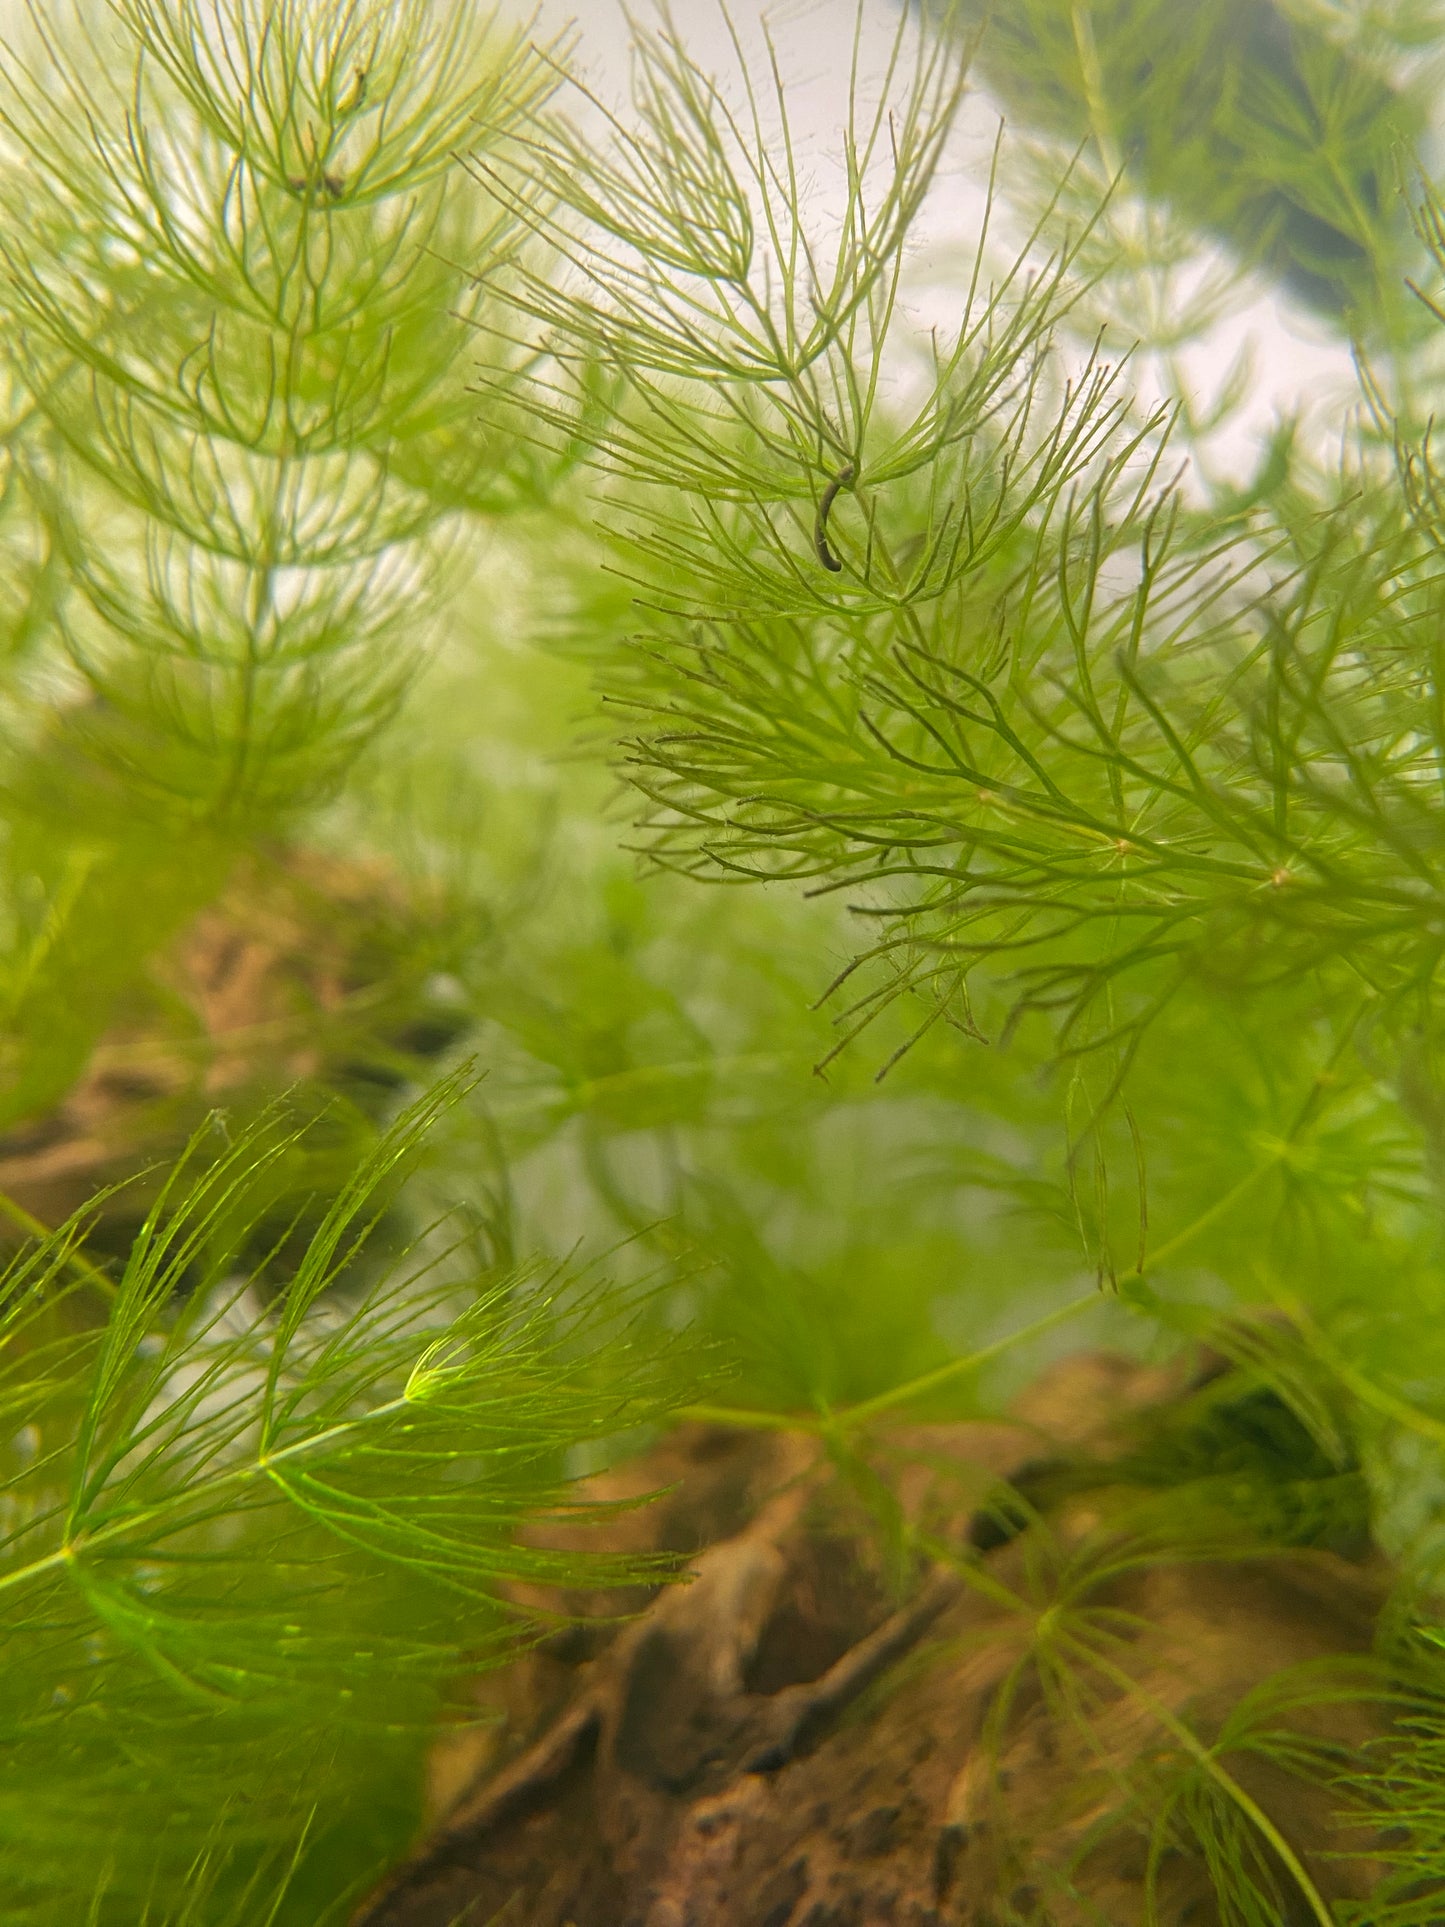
[1274,127]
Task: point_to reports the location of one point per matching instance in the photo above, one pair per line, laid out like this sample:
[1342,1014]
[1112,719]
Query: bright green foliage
[251,1533]
[1121,785]
[246,1546]
[1079,754]
[1131,786]
[239,323]
[232,241]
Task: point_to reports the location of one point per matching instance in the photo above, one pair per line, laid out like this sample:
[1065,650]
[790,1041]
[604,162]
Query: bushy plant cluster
[387,415]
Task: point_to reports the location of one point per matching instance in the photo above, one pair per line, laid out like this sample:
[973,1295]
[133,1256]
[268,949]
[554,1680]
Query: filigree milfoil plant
[1139,789]
[239,327]
[248,1533]
[1134,792]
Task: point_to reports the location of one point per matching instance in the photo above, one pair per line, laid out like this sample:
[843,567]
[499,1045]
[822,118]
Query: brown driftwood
[266,988]
[811,1735]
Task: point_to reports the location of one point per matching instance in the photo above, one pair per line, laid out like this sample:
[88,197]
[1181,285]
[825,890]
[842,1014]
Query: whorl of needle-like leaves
[969,656]
[229,236]
[244,1547]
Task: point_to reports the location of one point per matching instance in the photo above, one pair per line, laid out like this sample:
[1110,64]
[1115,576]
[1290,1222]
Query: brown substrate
[291,977]
[816,1732]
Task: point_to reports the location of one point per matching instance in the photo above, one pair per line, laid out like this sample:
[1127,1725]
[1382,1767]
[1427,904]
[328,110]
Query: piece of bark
[795,1740]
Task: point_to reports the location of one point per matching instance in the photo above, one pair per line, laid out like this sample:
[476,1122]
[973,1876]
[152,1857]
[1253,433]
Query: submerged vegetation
[403,444]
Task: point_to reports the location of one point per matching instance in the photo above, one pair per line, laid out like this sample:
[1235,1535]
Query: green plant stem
[930,1381]
[1225,1780]
[642,1077]
[869,1408]
[850,1415]
[239,1475]
[1212,1213]
[743,1420]
[27,1222]
[1368,1393]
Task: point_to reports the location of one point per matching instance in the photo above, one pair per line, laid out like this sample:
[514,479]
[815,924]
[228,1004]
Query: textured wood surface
[814,1732]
